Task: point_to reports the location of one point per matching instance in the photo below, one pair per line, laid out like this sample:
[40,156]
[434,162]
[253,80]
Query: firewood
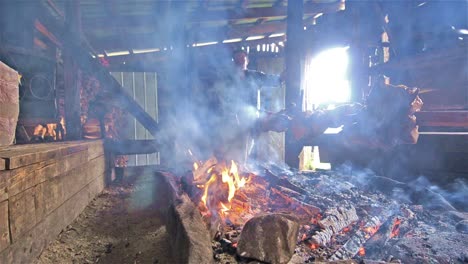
[334,221]
[357,240]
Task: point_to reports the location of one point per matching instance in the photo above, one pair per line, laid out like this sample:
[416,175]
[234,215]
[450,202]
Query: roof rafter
[211,16]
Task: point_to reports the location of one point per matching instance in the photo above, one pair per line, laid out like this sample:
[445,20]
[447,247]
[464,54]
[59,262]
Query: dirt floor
[122,225]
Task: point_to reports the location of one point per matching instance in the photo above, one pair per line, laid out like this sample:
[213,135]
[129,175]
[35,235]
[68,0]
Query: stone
[269,238]
[190,239]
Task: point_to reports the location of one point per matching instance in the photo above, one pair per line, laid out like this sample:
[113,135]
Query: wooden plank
[454,142]
[127,79]
[51,194]
[75,179]
[22,213]
[140,98]
[214,15]
[443,118]
[95,150]
[33,242]
[24,155]
[4,176]
[19,158]
[152,107]
[29,176]
[130,147]
[33,204]
[4,226]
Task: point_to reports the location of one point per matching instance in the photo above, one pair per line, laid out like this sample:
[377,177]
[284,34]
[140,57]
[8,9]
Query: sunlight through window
[326,79]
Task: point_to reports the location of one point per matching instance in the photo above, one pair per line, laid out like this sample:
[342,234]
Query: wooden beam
[449,119]
[124,100]
[209,15]
[44,31]
[153,40]
[132,147]
[72,88]
[293,59]
[154,61]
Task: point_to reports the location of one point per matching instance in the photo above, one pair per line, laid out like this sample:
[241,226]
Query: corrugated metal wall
[143,87]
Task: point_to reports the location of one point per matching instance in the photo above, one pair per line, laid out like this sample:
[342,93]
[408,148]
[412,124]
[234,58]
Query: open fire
[278,215]
[219,183]
[339,217]
[49,132]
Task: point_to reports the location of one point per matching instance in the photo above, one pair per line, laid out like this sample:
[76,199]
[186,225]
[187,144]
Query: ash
[350,218]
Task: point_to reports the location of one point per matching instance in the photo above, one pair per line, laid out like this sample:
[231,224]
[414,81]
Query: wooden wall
[43,188]
[143,88]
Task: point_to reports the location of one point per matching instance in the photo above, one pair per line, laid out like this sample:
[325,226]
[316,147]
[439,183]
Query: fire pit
[339,215]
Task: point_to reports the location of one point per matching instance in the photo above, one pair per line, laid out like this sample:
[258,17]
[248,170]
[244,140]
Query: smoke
[455,194]
[420,190]
[214,108]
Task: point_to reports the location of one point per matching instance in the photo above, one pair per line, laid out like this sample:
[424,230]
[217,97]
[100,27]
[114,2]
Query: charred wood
[335,220]
[275,180]
[359,238]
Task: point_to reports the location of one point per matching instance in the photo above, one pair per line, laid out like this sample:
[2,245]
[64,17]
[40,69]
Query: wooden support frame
[77,55]
[71,72]
[294,55]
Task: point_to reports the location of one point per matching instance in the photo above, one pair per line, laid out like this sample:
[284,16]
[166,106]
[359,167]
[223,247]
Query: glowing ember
[396,228]
[313,246]
[362,251]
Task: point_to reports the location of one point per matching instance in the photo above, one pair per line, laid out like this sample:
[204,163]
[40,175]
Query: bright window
[325,78]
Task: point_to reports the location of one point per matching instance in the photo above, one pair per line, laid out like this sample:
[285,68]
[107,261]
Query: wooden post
[294,52]
[71,71]
[358,60]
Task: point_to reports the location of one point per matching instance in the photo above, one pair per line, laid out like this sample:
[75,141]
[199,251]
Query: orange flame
[229,177]
[224,208]
[208,183]
[370,231]
[362,251]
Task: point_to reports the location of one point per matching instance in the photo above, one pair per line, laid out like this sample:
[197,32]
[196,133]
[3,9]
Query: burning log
[387,231]
[201,171]
[277,181]
[357,240]
[335,220]
[48,132]
[292,203]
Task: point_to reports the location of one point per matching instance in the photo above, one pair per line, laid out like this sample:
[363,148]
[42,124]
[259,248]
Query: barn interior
[161,131]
